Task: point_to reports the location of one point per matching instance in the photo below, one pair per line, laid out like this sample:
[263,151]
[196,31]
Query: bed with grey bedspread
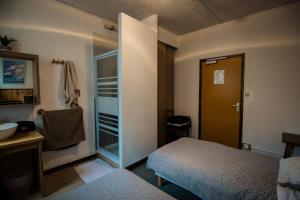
[120,184]
[214,171]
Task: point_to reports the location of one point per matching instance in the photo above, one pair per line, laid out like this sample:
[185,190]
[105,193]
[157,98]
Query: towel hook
[40,111]
[58,61]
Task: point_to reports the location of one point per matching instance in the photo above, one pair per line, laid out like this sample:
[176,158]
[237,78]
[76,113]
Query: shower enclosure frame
[106,153]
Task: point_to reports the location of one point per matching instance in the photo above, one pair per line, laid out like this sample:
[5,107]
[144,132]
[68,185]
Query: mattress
[120,184]
[214,171]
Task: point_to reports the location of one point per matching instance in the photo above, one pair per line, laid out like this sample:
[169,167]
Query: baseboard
[134,165]
[266,152]
[70,164]
[116,165]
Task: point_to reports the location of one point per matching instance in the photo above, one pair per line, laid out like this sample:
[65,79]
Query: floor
[168,187]
[70,178]
[112,148]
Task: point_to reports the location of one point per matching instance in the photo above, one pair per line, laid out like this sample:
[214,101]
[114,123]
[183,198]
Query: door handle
[237,107]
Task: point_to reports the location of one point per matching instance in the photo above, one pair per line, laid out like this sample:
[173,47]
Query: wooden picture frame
[35,70]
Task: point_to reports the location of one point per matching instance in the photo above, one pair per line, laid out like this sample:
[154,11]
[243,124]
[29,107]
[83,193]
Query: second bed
[214,171]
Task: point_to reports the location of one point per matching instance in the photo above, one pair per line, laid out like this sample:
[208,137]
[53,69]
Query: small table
[31,140]
[176,131]
[291,141]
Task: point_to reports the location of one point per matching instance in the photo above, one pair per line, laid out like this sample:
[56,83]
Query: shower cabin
[126,93]
[107,104]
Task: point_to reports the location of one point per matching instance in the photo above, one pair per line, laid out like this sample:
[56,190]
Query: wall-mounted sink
[7,129]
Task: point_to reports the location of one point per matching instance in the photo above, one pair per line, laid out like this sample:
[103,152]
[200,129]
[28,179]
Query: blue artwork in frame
[14,71]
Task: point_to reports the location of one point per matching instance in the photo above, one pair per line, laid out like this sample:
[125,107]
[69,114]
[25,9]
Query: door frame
[242,56]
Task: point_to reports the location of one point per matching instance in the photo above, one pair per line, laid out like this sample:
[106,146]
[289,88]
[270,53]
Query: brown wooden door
[221,100]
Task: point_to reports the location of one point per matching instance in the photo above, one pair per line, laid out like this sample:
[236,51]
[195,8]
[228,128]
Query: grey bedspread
[120,184]
[213,171]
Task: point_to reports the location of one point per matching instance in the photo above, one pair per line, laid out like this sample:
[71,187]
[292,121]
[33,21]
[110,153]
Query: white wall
[151,22]
[103,44]
[138,89]
[54,30]
[167,37]
[163,34]
[271,42]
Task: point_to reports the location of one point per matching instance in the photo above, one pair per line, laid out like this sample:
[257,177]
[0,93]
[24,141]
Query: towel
[62,128]
[71,88]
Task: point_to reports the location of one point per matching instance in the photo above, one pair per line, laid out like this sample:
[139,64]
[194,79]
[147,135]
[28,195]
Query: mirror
[19,79]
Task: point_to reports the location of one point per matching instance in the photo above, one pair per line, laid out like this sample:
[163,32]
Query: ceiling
[177,16]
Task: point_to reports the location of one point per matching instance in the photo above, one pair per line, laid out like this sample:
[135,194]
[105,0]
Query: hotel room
[155,99]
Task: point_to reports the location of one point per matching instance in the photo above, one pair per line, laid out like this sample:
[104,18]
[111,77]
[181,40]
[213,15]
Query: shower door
[107,104]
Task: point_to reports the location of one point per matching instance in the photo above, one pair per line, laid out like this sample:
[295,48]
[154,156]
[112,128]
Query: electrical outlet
[247,146]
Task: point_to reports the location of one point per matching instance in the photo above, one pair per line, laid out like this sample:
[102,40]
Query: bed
[120,184]
[214,171]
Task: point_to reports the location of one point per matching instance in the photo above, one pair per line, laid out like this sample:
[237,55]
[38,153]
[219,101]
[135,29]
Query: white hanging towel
[71,88]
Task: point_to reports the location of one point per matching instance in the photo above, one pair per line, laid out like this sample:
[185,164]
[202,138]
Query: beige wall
[54,30]
[167,37]
[271,42]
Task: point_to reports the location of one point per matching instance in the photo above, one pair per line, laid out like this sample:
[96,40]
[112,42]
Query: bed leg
[159,181]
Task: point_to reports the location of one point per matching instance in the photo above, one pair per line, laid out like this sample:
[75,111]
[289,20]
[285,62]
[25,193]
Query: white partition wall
[138,90]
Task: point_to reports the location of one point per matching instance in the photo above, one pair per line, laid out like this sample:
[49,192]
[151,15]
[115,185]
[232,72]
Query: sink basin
[7,129]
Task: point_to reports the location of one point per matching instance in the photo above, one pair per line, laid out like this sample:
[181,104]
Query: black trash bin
[177,127]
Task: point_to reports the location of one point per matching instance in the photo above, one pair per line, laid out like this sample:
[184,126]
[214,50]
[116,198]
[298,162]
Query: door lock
[237,107]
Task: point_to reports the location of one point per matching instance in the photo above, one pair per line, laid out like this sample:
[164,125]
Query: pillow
[288,187]
[289,172]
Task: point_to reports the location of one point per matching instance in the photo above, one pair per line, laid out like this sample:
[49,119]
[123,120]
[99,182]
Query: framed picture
[14,71]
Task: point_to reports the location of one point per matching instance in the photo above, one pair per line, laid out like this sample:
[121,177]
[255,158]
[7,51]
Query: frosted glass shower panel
[107,104]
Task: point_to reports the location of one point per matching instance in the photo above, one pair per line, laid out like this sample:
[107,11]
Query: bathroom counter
[27,141]
[21,138]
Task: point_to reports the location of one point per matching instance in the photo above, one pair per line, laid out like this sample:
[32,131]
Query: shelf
[18,105]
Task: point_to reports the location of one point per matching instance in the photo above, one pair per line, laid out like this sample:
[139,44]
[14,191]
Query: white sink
[7,129]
